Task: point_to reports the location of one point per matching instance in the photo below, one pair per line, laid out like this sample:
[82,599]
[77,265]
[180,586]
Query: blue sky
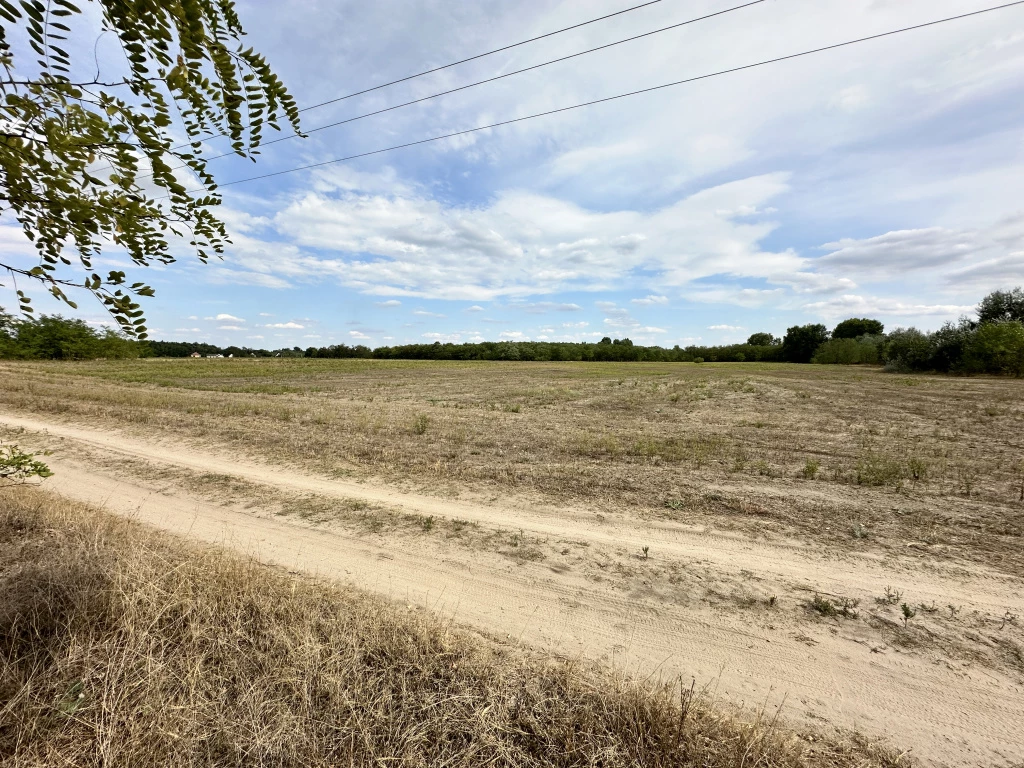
[885,179]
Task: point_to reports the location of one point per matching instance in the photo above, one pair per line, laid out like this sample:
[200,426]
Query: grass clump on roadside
[121,646]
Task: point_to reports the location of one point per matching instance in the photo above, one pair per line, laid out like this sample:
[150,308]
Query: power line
[435,69]
[630,93]
[480,55]
[500,77]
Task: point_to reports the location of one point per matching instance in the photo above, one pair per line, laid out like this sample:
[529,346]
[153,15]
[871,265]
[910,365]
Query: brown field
[758,528]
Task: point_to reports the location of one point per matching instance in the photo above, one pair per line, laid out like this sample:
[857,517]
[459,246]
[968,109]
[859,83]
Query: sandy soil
[590,592]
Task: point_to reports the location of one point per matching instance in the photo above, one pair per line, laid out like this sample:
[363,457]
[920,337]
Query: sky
[884,179]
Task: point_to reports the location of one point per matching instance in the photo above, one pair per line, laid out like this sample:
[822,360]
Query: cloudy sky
[884,179]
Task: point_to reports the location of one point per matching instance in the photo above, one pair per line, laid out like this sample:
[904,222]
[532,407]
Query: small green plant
[891,597]
[859,531]
[917,469]
[698,359]
[954,610]
[763,468]
[511,407]
[420,423]
[427,523]
[18,467]
[810,470]
[674,503]
[843,606]
[908,613]
[878,469]
[646,550]
[1008,618]
[928,608]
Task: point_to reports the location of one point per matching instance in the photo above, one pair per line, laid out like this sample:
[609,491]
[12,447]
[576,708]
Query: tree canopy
[856,327]
[91,159]
[763,340]
[1002,306]
[802,341]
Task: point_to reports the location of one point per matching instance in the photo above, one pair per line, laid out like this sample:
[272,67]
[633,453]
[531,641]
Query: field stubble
[850,458]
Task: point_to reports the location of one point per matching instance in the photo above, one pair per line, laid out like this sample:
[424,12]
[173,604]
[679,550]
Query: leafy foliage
[845,351]
[86,162]
[856,327]
[52,337]
[17,467]
[907,349]
[802,341]
[1002,306]
[763,340]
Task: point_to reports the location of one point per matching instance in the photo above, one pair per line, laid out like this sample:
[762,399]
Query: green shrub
[907,349]
[996,348]
[879,469]
[845,351]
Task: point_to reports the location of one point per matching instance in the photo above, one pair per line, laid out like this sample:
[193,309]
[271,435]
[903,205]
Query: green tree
[908,349]
[1002,306]
[996,348]
[87,160]
[802,341]
[856,327]
[762,340]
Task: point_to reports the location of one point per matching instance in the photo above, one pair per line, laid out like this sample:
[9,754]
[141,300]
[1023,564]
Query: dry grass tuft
[121,646]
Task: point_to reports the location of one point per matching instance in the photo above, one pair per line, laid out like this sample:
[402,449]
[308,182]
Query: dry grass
[935,463]
[120,646]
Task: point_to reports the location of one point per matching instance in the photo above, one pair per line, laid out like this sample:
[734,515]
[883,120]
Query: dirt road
[592,593]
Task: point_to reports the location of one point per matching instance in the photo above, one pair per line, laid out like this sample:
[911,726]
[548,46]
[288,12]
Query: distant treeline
[606,350]
[994,343]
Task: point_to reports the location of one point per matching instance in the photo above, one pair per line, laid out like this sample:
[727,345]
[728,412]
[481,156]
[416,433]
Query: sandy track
[947,713]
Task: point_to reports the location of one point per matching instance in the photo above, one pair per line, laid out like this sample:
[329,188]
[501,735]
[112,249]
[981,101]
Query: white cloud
[514,335]
[358,335]
[725,328]
[425,313]
[475,308]
[389,303]
[522,243]
[852,99]
[650,300]
[444,338]
[284,325]
[265,314]
[541,307]
[231,328]
[225,318]
[854,305]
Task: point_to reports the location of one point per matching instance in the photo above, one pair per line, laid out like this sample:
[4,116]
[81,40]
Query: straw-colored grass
[121,646]
[932,462]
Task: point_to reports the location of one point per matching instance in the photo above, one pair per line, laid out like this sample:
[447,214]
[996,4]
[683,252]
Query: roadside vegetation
[121,646]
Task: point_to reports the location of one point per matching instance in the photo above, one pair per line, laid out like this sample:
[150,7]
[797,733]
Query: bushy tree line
[606,350]
[52,337]
[994,343]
